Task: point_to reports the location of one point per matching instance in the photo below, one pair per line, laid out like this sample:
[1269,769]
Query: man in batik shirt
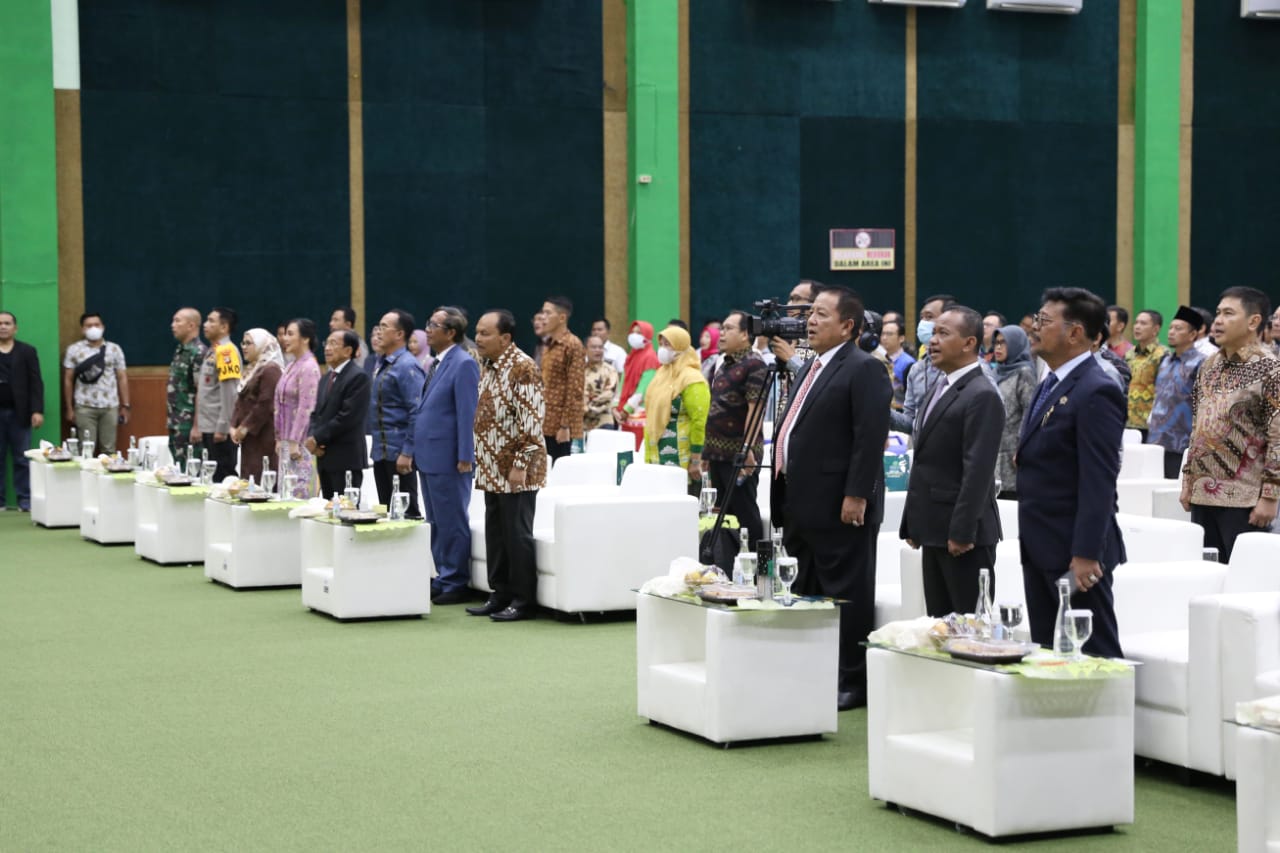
[1170,422]
[1231,481]
[1144,360]
[184,376]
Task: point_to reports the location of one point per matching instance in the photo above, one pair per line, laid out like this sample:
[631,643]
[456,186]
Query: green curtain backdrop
[483,141]
[796,127]
[1235,173]
[215,163]
[1017,154]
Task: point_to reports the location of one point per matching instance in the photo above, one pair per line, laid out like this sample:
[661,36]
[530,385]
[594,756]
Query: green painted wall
[1157,112]
[653,149]
[28,187]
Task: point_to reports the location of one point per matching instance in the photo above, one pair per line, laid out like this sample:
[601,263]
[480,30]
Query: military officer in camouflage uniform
[184,372]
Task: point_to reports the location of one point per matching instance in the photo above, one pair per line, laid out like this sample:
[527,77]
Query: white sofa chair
[1169,615]
[1258,791]
[1250,631]
[611,441]
[1141,461]
[1132,436]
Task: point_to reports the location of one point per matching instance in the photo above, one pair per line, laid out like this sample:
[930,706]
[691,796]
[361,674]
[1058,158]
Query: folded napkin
[1260,712]
[904,634]
[314,508]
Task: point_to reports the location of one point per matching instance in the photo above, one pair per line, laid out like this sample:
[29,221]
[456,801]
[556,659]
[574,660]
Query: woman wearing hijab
[710,350]
[419,349]
[295,399]
[1016,379]
[253,419]
[638,370]
[676,403]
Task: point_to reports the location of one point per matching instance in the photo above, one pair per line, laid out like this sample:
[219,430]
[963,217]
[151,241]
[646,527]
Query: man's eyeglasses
[435,326]
[1045,320]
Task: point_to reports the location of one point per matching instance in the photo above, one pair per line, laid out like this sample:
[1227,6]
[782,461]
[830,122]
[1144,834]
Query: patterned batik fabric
[508,426]
[1234,457]
[1170,422]
[1144,362]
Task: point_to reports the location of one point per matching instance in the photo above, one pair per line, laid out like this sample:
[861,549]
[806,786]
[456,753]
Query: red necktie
[784,433]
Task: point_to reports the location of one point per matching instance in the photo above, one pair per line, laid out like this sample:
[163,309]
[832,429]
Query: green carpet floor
[144,708]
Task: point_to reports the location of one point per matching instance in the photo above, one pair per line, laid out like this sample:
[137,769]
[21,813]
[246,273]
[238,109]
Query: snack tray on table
[987,651]
[724,593]
[354,516]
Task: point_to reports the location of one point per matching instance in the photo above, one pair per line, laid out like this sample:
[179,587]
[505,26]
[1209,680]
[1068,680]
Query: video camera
[774,321]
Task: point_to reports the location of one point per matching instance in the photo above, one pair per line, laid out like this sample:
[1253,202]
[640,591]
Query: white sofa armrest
[1250,626]
[1157,596]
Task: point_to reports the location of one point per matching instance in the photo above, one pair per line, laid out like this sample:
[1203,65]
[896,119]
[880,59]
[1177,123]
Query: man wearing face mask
[95,385]
[923,377]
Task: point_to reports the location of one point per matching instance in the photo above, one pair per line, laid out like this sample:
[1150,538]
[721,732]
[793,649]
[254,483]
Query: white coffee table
[251,545]
[366,571]
[729,675]
[55,493]
[106,507]
[1257,778]
[1002,753]
[169,526]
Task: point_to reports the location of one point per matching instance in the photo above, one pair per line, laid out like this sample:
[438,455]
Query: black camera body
[774,321]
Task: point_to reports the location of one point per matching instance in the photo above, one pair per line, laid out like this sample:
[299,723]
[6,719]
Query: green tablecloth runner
[131,476]
[1046,669]
[193,491]
[71,463]
[381,528]
[260,506]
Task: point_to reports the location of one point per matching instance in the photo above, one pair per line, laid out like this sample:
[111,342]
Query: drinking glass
[72,446]
[290,483]
[399,505]
[207,470]
[1079,630]
[788,568]
[268,481]
[87,447]
[707,501]
[135,457]
[193,467]
[1010,613]
[351,497]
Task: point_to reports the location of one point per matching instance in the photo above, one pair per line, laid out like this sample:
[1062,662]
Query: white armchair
[1141,461]
[1250,630]
[604,543]
[611,441]
[1169,615]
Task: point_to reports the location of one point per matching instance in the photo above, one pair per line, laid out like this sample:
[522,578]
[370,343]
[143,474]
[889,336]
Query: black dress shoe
[848,700]
[456,597]
[514,613]
[490,607]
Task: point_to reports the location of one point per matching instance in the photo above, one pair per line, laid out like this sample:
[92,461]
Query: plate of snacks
[988,651]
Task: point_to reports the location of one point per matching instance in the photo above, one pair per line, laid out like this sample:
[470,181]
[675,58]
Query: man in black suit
[1068,459]
[21,407]
[951,501]
[337,424]
[828,461]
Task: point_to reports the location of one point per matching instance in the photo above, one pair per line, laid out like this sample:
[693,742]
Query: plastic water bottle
[744,547]
[983,610]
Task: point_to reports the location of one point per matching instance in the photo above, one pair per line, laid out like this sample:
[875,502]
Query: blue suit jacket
[1068,460]
[441,431]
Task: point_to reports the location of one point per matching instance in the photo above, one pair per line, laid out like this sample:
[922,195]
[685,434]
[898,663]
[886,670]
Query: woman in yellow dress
[676,405]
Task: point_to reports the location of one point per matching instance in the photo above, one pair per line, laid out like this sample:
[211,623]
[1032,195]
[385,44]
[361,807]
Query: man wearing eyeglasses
[1068,460]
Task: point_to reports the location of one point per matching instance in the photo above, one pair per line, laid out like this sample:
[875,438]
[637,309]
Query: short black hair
[454,321]
[884,327]
[404,321]
[1153,314]
[1080,306]
[1253,300]
[562,303]
[679,324]
[742,315]
[848,305]
[87,315]
[227,316]
[504,320]
[348,314]
[350,340]
[997,315]
[815,287]
[970,321]
[607,325]
[10,315]
[1122,314]
[946,299]
[307,331]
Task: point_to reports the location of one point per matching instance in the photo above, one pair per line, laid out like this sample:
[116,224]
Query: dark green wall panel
[1016,154]
[483,156]
[797,127]
[1235,171]
[215,163]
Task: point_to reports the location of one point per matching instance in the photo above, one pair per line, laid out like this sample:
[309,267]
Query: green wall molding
[1157,122]
[653,159]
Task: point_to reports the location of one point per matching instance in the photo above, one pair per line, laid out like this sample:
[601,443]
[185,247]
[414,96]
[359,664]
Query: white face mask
[636,340]
[666,355]
[93,333]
